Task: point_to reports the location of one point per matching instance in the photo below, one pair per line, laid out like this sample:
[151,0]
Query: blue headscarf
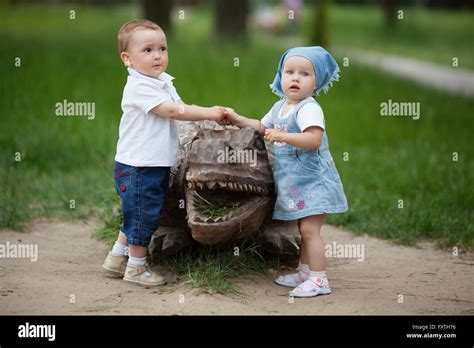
[324,65]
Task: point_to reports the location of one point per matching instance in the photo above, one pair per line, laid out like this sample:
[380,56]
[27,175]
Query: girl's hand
[273,135]
[218,114]
[232,117]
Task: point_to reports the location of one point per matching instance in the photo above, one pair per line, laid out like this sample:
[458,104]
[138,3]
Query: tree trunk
[320,35]
[159,12]
[389,12]
[231,18]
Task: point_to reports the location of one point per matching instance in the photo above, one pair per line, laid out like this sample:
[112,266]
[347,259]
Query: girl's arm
[242,122]
[310,139]
[183,112]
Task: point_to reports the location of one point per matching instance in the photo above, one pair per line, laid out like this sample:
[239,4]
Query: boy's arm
[183,112]
[242,122]
[310,139]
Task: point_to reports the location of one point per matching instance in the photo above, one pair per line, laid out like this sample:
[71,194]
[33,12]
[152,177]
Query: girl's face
[298,80]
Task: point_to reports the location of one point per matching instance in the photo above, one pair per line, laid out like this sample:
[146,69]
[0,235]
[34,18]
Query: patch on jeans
[123,178]
[120,170]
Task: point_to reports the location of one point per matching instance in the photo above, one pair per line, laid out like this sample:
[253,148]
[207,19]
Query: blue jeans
[142,192]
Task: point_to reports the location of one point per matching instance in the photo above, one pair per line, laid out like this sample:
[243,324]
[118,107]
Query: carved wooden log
[276,237]
[169,240]
[281,237]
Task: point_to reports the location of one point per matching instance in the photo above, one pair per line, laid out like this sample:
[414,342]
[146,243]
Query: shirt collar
[163,80]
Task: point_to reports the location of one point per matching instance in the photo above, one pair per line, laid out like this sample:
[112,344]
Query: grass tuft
[212,270]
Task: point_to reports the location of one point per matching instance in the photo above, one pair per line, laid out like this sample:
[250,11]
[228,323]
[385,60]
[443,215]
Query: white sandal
[290,280]
[311,288]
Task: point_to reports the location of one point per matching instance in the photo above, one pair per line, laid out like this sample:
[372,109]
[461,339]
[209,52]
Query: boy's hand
[218,114]
[273,135]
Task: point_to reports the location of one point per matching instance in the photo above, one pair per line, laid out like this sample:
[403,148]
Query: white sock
[314,274]
[304,268]
[136,261]
[119,249]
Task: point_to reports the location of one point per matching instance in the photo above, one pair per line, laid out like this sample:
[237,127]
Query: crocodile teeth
[241,187]
[246,188]
[211,184]
[221,184]
[260,190]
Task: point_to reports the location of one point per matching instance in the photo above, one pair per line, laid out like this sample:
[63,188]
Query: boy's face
[147,52]
[298,79]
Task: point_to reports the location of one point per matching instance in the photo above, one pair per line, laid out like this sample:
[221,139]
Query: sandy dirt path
[69,268]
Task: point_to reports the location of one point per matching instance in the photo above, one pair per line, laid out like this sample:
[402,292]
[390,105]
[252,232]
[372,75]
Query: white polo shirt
[146,139]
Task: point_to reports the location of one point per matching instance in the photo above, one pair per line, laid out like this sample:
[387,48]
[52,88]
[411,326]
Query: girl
[307,182]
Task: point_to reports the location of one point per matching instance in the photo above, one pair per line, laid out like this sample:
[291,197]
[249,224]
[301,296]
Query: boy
[147,147]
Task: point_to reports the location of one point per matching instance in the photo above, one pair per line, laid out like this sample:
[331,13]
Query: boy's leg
[122,238]
[137,251]
[120,247]
[150,187]
[116,260]
[317,283]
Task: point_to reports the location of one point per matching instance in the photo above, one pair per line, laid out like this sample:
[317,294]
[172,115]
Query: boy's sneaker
[143,275]
[115,265]
[313,286]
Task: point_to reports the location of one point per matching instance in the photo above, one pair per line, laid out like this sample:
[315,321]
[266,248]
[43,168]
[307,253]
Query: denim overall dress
[307,181]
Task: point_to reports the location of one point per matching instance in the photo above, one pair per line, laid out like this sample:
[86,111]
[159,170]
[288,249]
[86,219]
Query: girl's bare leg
[303,253]
[314,245]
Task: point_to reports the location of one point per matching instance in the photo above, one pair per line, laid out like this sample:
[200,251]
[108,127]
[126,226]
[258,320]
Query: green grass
[210,270]
[72,158]
[110,217]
